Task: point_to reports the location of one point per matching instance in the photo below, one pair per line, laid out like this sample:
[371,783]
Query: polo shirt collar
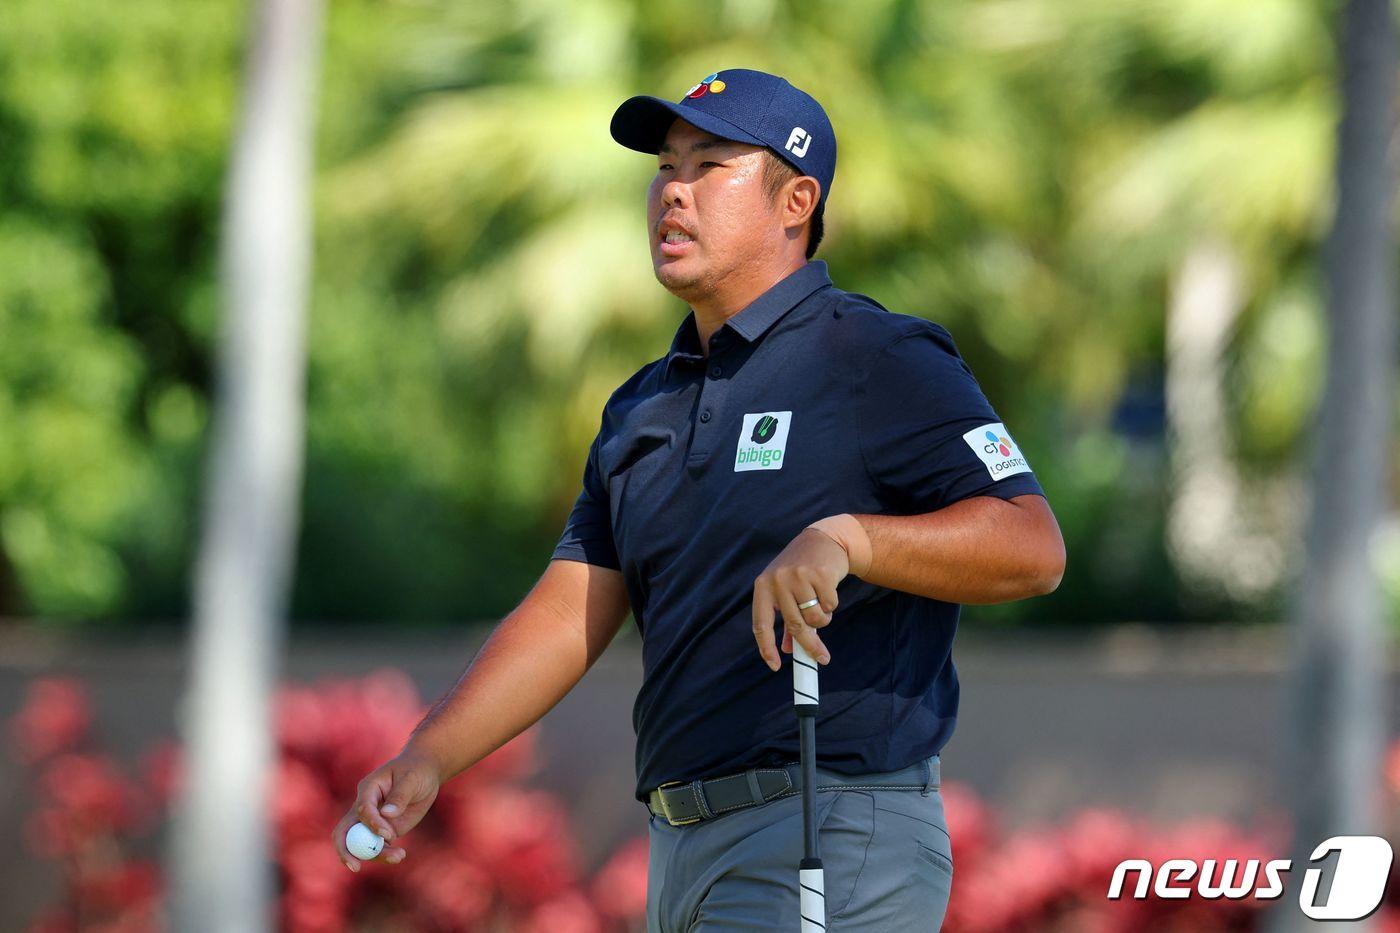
[765,310]
[760,314]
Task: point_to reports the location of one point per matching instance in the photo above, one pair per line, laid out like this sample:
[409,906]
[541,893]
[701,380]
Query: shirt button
[705,416]
[716,371]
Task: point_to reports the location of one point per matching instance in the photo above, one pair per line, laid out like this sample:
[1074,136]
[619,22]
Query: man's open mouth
[673,239]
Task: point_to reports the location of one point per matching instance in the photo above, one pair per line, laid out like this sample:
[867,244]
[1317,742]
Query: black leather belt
[681,803]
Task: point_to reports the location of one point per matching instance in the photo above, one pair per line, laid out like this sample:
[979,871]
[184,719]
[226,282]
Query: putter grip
[804,677]
[813,900]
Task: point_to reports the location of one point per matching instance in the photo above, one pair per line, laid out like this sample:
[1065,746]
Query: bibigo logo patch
[997,450]
[762,441]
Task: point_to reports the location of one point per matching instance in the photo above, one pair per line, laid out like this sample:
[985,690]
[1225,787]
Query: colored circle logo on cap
[708,86]
[1003,443]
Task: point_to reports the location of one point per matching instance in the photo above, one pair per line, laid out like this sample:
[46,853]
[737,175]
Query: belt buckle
[666,810]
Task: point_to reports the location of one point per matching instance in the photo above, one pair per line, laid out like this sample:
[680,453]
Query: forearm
[535,656]
[977,551]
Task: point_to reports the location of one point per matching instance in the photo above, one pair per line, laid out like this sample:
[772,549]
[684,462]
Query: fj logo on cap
[798,141]
[762,441]
[997,451]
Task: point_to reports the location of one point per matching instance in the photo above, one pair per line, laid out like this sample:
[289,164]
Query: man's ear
[800,201]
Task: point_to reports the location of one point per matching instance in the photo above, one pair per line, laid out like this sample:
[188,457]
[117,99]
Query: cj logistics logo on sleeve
[996,449]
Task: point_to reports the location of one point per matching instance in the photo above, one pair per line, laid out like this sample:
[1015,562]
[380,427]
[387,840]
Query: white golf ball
[362,842]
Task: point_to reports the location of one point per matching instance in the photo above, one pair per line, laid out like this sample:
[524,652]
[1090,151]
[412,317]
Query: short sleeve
[928,435]
[588,535]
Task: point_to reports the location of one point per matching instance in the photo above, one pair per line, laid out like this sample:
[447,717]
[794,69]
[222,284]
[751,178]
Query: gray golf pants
[889,866]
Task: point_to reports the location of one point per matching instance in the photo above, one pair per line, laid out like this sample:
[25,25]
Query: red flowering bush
[491,855]
[494,855]
[86,811]
[1057,879]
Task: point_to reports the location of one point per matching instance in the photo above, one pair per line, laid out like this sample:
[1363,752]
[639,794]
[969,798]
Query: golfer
[801,465]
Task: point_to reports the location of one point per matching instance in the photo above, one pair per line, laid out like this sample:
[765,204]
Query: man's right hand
[533,658]
[391,800]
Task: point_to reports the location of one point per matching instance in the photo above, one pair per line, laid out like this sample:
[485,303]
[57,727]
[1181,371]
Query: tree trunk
[220,857]
[1338,701]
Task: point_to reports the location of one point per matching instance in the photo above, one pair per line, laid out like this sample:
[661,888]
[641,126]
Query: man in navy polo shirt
[800,461]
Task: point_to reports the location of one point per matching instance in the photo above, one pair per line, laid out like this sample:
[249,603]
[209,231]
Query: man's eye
[663,166]
[708,164]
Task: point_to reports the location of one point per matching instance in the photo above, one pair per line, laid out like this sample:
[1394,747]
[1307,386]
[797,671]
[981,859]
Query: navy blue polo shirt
[813,402]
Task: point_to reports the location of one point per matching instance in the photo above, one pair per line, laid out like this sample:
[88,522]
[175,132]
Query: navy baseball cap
[748,107]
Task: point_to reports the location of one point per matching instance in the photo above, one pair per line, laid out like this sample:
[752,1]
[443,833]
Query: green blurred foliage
[113,131]
[1027,172]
